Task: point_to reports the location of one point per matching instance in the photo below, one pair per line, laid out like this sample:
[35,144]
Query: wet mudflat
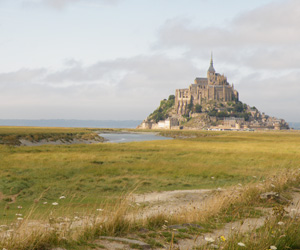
[131,137]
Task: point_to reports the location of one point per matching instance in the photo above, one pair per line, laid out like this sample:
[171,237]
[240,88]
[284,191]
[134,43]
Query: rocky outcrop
[209,103]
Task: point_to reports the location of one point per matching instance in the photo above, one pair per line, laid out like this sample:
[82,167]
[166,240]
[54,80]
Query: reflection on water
[129,137]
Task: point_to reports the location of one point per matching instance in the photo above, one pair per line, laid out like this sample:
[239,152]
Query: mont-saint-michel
[210,102]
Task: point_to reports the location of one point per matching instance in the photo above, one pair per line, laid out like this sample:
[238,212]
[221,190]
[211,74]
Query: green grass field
[90,174]
[97,175]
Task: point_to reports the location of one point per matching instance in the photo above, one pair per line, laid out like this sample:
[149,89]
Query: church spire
[211,67]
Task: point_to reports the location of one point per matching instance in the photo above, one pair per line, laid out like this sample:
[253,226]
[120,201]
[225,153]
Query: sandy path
[171,201]
[179,200]
[241,226]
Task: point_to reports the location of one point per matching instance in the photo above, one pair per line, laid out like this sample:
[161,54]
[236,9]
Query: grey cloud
[137,72]
[274,58]
[277,96]
[267,37]
[272,24]
[22,76]
[131,88]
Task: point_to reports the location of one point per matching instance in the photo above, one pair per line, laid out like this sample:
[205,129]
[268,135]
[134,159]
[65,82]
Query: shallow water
[130,137]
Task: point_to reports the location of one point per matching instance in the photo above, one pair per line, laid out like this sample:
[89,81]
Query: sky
[116,59]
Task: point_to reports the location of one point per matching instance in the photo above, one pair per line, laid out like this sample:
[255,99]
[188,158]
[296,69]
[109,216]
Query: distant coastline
[294,125]
[72,123]
[86,123]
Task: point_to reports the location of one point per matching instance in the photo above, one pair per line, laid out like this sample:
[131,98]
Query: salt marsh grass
[73,229]
[94,178]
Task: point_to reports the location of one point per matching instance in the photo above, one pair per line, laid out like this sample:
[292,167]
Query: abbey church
[209,103]
[214,87]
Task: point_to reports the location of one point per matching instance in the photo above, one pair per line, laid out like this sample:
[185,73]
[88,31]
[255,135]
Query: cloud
[128,88]
[60,4]
[276,96]
[259,51]
[267,37]
[124,88]
[22,76]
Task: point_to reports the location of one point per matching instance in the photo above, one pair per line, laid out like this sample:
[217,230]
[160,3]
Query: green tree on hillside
[161,113]
[198,108]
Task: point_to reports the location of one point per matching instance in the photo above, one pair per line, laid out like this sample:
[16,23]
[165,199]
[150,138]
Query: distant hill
[71,123]
[295,125]
[210,102]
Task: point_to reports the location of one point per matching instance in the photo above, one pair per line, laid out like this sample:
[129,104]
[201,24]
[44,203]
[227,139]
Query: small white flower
[19,215]
[99,209]
[166,221]
[241,244]
[54,203]
[164,227]
[45,202]
[19,218]
[240,185]
[20,207]
[138,204]
[212,177]
[254,176]
[273,247]
[293,212]
[209,239]
[62,197]
[280,223]
[272,185]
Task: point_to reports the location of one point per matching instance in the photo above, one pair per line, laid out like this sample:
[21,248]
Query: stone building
[233,122]
[213,87]
[169,123]
[220,108]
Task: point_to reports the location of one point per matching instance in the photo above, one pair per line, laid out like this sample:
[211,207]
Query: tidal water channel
[130,137]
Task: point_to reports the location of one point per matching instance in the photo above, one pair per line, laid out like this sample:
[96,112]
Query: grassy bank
[13,135]
[89,174]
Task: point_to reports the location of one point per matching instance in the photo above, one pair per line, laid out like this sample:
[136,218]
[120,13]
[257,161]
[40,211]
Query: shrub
[161,113]
[198,108]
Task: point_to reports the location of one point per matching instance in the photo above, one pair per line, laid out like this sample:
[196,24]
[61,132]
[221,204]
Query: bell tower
[211,71]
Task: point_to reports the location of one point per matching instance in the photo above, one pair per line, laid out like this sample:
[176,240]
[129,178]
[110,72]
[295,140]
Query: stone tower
[211,72]
[214,87]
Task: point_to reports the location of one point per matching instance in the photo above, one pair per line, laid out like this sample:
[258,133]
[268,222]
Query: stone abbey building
[214,87]
[220,108]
